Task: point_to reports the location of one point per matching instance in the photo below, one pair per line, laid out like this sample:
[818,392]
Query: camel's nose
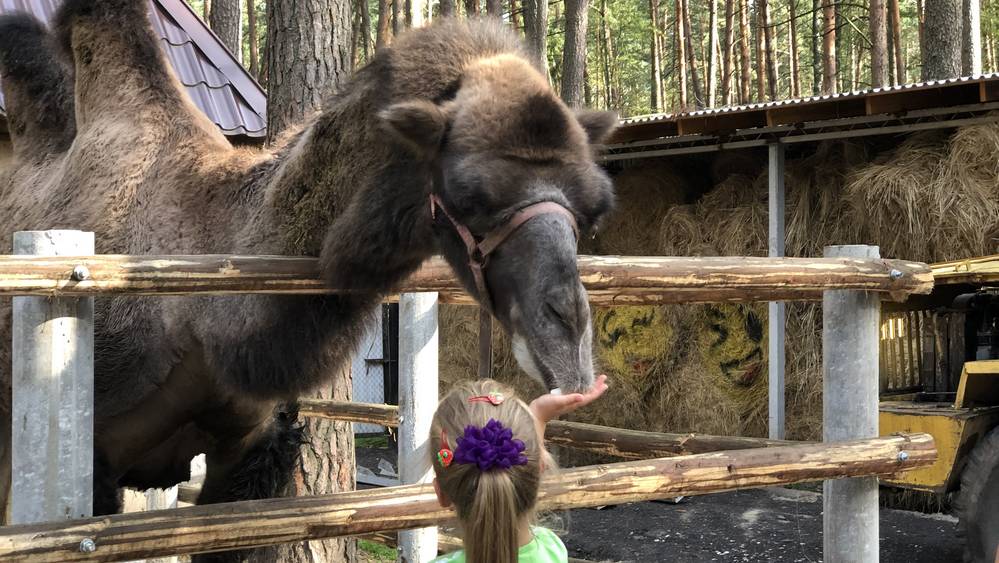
[567,306]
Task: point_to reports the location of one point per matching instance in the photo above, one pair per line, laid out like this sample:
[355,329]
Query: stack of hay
[703,368]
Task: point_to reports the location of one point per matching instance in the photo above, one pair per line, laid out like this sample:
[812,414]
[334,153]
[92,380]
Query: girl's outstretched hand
[549,407]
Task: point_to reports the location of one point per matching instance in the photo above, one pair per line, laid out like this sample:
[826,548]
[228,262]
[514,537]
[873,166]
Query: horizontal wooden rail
[258,523]
[610,280]
[618,442]
[984,269]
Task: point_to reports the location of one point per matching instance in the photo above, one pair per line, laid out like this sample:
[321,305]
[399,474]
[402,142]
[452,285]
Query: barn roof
[216,82]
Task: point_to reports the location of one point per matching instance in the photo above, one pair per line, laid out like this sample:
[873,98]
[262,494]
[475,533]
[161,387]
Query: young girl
[488,454]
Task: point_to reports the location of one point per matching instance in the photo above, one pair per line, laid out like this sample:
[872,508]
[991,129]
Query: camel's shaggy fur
[136,163]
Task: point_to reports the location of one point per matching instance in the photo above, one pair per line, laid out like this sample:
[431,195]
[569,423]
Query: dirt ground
[777,525]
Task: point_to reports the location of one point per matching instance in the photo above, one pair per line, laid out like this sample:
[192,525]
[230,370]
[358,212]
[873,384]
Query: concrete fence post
[418,379]
[53,391]
[850,411]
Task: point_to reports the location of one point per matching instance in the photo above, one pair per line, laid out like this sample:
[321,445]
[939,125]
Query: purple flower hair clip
[489,447]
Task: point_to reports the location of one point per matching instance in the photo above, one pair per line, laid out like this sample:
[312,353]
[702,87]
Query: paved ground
[772,525]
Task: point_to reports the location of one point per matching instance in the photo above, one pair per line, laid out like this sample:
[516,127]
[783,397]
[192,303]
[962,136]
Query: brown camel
[110,143]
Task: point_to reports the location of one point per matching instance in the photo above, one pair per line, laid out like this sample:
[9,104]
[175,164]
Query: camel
[106,140]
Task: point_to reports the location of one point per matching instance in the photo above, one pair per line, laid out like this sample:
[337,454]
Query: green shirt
[546,547]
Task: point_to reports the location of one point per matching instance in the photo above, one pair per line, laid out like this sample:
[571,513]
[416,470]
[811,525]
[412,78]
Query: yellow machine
[940,375]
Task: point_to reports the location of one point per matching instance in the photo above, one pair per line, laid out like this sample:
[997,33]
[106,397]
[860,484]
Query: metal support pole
[776,309]
[53,391]
[417,404]
[850,411]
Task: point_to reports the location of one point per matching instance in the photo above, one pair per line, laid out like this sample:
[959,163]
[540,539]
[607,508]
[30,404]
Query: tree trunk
[921,18]
[383,33]
[447,8]
[251,30]
[397,16]
[879,44]
[407,13]
[656,91]
[816,50]
[515,13]
[728,53]
[942,39]
[494,8]
[712,52]
[681,55]
[206,10]
[609,78]
[362,5]
[472,8]
[224,20]
[771,47]
[758,40]
[792,50]
[307,58]
[828,46]
[535,29]
[744,59]
[574,54]
[896,35]
[971,43]
[695,75]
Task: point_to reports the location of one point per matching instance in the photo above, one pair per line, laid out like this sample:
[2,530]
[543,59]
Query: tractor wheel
[977,503]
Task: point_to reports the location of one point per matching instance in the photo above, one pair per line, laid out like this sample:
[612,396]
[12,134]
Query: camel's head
[503,142]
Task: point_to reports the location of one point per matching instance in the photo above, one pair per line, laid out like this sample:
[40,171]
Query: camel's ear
[418,123]
[597,124]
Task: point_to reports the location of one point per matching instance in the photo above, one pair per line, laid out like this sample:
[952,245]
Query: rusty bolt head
[80,273]
[88,546]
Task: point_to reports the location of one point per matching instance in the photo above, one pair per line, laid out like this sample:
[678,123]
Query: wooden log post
[610,280]
[417,405]
[850,325]
[53,391]
[240,525]
[616,442]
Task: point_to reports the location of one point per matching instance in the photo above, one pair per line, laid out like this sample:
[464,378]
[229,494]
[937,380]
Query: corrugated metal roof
[859,94]
[216,82]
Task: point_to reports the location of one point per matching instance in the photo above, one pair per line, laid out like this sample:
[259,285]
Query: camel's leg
[258,465]
[121,74]
[38,89]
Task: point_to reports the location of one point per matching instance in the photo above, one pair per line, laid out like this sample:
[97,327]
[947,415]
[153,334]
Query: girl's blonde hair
[490,504]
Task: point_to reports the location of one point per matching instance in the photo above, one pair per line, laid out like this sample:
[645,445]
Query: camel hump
[37,86]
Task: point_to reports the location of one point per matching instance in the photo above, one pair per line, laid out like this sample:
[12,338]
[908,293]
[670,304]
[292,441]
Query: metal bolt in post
[850,322]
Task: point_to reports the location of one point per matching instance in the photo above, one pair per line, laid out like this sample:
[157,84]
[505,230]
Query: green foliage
[376,552]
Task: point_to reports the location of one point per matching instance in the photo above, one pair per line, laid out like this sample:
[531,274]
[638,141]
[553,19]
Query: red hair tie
[495,398]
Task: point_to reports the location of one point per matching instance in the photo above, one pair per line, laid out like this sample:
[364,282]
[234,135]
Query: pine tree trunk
[829,47]
[535,30]
[942,39]
[896,35]
[656,91]
[307,58]
[770,46]
[206,10]
[365,28]
[472,8]
[225,21]
[695,78]
[758,40]
[407,13]
[397,16]
[921,18]
[728,53]
[383,33]
[792,51]
[447,8]
[251,30]
[610,78]
[574,55]
[712,52]
[745,60]
[816,50]
[681,55]
[879,44]
[971,43]
[494,8]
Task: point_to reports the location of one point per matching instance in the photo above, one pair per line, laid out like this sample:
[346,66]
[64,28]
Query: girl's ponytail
[493,521]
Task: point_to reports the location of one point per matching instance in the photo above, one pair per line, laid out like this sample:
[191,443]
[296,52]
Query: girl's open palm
[549,407]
